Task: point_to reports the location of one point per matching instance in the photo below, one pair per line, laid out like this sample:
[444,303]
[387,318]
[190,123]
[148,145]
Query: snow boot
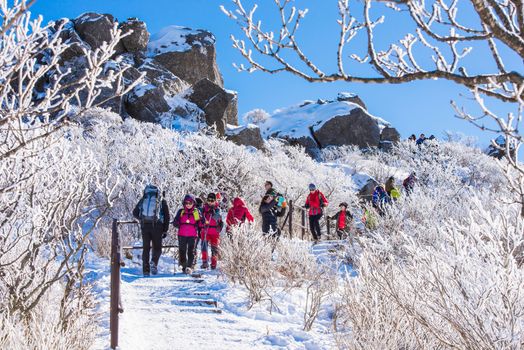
[154,269]
[188,271]
[204,265]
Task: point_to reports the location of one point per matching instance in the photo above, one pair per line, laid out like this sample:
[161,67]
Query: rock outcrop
[219,105]
[188,54]
[136,35]
[248,135]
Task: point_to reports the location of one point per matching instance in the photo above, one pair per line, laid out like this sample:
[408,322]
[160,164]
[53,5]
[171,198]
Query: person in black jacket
[268,208]
[154,223]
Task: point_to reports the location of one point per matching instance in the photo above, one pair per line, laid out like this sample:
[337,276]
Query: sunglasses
[188,203]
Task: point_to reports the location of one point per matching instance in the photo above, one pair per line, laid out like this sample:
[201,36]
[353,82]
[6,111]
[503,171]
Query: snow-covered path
[177,312]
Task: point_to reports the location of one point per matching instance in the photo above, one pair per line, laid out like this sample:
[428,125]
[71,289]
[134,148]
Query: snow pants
[213,241]
[186,251]
[314,225]
[151,234]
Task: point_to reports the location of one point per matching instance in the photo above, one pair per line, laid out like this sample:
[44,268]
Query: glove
[164,235]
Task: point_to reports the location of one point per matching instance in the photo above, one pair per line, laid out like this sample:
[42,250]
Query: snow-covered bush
[246,259]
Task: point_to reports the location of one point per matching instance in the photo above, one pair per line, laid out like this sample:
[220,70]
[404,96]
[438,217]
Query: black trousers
[314,225]
[186,251]
[151,234]
[270,226]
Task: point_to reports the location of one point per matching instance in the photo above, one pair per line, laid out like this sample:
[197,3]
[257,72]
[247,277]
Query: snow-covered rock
[316,125]
[219,105]
[137,35]
[146,103]
[94,28]
[248,135]
[187,53]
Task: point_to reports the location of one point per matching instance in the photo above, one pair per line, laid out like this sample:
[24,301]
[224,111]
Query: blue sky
[412,108]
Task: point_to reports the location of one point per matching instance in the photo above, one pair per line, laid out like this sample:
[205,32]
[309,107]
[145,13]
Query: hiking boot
[154,269]
[146,274]
[204,265]
[188,271]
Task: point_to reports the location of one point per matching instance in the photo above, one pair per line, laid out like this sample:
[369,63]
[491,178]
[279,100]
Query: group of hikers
[420,140]
[200,222]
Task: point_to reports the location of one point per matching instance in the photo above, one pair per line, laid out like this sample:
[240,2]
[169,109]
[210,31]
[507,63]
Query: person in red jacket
[315,202]
[210,228]
[237,214]
[187,221]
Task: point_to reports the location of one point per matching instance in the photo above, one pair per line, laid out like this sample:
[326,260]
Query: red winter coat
[315,202]
[238,214]
[211,223]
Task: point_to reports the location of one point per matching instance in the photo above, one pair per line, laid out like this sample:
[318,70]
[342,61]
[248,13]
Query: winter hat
[312,187]
[212,196]
[343,204]
[189,198]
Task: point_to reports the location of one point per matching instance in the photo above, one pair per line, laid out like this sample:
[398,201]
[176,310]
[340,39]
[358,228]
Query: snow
[295,121]
[236,129]
[169,311]
[142,88]
[174,39]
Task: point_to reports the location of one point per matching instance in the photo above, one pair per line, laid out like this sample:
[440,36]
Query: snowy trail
[179,312]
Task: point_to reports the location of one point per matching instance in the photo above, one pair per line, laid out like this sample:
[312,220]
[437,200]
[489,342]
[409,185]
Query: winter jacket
[187,221]
[315,202]
[409,183]
[380,197]
[211,223]
[238,214]
[163,222]
[343,219]
[268,211]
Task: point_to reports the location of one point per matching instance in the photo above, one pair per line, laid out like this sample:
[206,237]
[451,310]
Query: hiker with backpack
[187,221]
[237,215]
[281,207]
[268,208]
[343,220]
[210,227]
[152,212]
[392,191]
[315,202]
[380,199]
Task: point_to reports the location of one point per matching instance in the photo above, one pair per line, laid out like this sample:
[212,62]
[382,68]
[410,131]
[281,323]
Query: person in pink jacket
[187,220]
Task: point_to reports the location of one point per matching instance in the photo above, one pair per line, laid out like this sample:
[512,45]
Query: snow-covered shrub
[295,263]
[448,274]
[246,259]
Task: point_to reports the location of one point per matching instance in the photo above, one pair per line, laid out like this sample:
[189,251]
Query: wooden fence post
[290,219]
[115,285]
[303,223]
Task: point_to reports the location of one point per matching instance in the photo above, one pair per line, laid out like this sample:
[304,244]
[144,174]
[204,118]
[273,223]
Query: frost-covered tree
[444,37]
[256,116]
[52,193]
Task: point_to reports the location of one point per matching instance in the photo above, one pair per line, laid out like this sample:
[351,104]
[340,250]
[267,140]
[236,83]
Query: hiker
[412,138]
[152,212]
[343,220]
[421,139]
[391,189]
[210,227]
[281,207]
[268,209]
[315,202]
[409,183]
[238,214]
[187,220]
[369,218]
[380,198]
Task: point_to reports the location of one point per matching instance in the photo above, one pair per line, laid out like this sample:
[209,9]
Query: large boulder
[390,134]
[219,105]
[77,47]
[188,54]
[146,103]
[138,36]
[162,78]
[248,135]
[95,29]
[356,128]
